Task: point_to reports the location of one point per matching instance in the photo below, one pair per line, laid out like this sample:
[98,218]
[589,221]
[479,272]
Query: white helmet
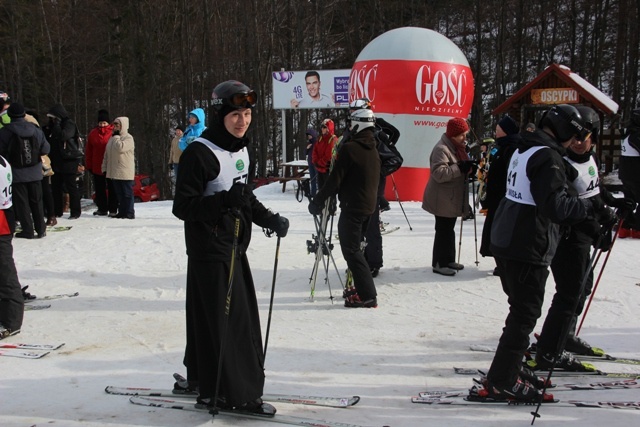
[362,118]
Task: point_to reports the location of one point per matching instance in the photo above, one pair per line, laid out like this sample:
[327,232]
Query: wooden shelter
[557,84]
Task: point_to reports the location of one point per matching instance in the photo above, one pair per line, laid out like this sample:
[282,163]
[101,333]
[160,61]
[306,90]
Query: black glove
[467,166]
[625,203]
[171,166]
[314,208]
[605,238]
[626,206]
[279,224]
[238,195]
[606,217]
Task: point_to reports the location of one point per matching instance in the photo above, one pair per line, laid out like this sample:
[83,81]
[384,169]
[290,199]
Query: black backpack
[23,151]
[390,158]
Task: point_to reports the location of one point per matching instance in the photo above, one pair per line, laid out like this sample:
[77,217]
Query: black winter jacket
[529,233]
[355,175]
[208,224]
[23,128]
[57,132]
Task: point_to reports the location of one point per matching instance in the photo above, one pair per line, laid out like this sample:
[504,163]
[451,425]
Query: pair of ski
[27,351]
[471,397]
[603,358]
[30,306]
[560,373]
[164,398]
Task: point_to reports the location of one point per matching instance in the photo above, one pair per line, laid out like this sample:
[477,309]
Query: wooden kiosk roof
[559,76]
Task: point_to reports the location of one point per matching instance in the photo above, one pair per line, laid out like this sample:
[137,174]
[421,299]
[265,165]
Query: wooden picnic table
[295,170]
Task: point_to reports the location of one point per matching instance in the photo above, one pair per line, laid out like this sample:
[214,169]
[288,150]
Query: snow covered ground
[126,328]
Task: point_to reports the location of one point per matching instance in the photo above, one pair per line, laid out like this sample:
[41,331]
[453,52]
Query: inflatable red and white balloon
[416,79]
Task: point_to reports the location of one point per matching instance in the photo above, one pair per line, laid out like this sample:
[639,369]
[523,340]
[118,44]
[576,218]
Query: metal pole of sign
[284,137]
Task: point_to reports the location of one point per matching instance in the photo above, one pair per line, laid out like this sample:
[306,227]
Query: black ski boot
[258,407]
[581,347]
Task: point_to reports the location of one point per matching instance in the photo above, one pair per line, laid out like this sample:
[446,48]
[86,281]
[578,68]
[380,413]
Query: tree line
[155,60]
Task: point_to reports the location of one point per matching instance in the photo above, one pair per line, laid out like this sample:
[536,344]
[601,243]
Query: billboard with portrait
[310,89]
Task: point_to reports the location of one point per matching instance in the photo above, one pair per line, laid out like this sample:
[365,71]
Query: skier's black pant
[569,265]
[373,250]
[11,300]
[632,191]
[105,201]
[444,242]
[525,285]
[59,183]
[351,228]
[27,202]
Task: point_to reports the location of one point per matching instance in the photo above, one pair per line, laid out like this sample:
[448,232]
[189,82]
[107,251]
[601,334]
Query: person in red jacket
[323,150]
[106,201]
[11,299]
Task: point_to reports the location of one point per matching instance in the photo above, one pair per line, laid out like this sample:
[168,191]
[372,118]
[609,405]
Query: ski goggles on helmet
[238,100]
[360,104]
[243,100]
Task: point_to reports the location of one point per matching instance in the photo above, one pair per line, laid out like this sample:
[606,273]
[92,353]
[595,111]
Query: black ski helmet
[591,120]
[565,122]
[232,95]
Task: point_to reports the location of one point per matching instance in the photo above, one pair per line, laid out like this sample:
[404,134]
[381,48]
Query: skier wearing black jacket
[507,137]
[211,193]
[571,260]
[354,178]
[524,237]
[630,174]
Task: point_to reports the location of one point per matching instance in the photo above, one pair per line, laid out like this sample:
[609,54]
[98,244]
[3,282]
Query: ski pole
[565,327]
[595,286]
[475,226]
[395,190]
[465,189]
[273,289]
[227,306]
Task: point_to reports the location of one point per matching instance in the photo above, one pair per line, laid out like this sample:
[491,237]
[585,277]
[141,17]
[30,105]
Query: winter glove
[314,208]
[606,217]
[467,166]
[605,238]
[279,224]
[625,203]
[238,196]
[626,206]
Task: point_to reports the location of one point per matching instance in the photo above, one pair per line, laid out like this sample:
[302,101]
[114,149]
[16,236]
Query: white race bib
[234,167]
[6,178]
[518,183]
[587,183]
[626,150]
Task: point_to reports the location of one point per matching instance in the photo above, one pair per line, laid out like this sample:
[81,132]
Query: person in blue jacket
[195,128]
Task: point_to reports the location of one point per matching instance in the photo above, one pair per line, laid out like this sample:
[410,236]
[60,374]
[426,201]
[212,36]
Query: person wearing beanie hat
[26,165]
[175,153]
[16,110]
[103,116]
[507,138]
[456,126]
[447,193]
[67,154]
[105,194]
[218,208]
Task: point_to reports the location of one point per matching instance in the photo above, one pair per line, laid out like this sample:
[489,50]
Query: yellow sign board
[553,95]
